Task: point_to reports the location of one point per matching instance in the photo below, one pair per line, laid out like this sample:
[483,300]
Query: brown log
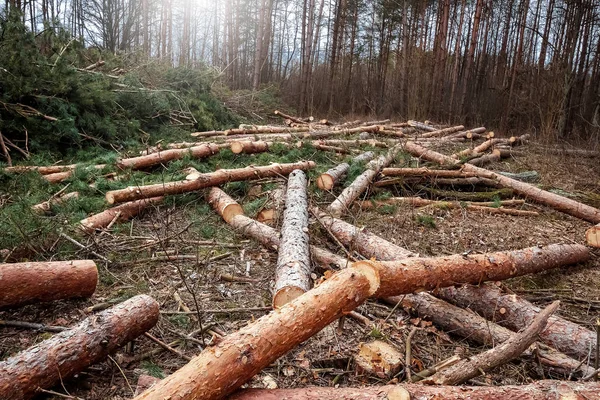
[266,235]
[422,274]
[442,132]
[515,313]
[334,149]
[31,282]
[433,173]
[122,212]
[482,148]
[292,272]
[486,159]
[44,170]
[220,370]
[555,201]
[474,328]
[361,240]
[361,183]
[253,130]
[474,133]
[165,156]
[422,126]
[67,353]
[540,390]
[58,177]
[592,236]
[328,179]
[253,147]
[46,206]
[510,349]
[205,180]
[293,119]
[420,202]
[357,142]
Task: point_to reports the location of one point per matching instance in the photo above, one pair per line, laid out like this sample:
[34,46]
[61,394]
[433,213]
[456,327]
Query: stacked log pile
[439,288]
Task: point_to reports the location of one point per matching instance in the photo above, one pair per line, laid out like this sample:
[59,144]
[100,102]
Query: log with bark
[205,180]
[120,213]
[43,170]
[67,353]
[510,349]
[515,313]
[165,156]
[422,126]
[592,236]
[259,146]
[293,119]
[271,212]
[347,143]
[361,240]
[423,171]
[503,193]
[474,328]
[538,195]
[361,183]
[540,390]
[233,214]
[31,282]
[253,130]
[481,149]
[420,202]
[46,206]
[441,132]
[292,272]
[328,179]
[334,149]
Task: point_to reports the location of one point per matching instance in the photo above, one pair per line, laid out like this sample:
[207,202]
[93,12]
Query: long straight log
[474,328]
[361,183]
[265,129]
[205,180]
[353,143]
[422,126]
[122,212]
[259,146]
[515,313]
[293,119]
[43,170]
[165,156]
[423,274]
[442,132]
[423,171]
[540,390]
[31,282]
[67,353]
[508,350]
[292,272]
[420,202]
[46,206]
[559,203]
[482,148]
[361,240]
[328,179]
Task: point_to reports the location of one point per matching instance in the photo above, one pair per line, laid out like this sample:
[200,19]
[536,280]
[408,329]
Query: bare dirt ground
[327,358]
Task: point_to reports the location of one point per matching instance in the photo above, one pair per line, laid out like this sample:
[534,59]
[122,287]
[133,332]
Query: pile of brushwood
[303,302]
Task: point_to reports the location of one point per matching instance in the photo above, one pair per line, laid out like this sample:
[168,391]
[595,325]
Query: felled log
[271,214]
[233,214]
[515,313]
[120,213]
[259,146]
[361,240]
[592,236]
[474,133]
[252,130]
[31,282]
[43,170]
[335,149]
[361,183]
[420,202]
[292,272]
[67,353]
[474,328]
[510,349]
[350,143]
[422,274]
[46,206]
[482,148]
[221,369]
[549,199]
[165,156]
[570,152]
[423,171]
[293,119]
[504,193]
[205,180]
[540,390]
[328,179]
[422,126]
[378,358]
[527,176]
[442,132]
[486,159]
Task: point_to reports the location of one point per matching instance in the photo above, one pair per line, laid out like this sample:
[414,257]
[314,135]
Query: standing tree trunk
[67,353]
[31,282]
[292,273]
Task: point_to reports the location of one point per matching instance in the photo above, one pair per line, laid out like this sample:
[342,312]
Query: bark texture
[515,313]
[420,202]
[160,157]
[122,212]
[205,180]
[69,352]
[442,132]
[426,172]
[31,282]
[292,273]
[220,370]
[510,349]
[361,183]
[328,179]
[422,274]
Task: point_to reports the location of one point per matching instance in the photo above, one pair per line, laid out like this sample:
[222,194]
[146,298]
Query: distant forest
[509,65]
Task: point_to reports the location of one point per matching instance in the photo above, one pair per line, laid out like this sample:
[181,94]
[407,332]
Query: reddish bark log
[24,283]
[122,212]
[514,312]
[69,352]
[328,179]
[442,132]
[205,180]
[165,156]
[44,170]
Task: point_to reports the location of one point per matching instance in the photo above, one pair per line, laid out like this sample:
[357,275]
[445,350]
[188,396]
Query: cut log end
[371,271]
[266,216]
[325,182]
[110,198]
[225,205]
[237,147]
[593,236]
[286,295]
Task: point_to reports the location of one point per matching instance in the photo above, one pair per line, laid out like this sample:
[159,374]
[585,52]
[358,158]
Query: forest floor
[186,225]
